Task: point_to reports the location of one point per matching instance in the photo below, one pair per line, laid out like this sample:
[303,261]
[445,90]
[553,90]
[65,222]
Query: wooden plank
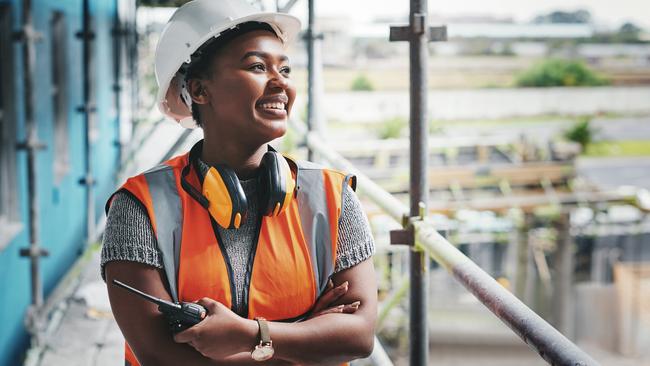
[475,176]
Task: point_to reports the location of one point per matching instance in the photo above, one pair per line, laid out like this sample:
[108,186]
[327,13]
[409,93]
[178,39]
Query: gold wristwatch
[264,350]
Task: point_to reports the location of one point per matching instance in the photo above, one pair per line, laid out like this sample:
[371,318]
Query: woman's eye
[286,70]
[257,67]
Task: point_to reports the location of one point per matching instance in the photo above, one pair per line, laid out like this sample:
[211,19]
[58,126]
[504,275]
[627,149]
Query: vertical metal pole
[118,33]
[521,267]
[563,279]
[134,80]
[88,179]
[419,186]
[310,74]
[29,60]
[32,145]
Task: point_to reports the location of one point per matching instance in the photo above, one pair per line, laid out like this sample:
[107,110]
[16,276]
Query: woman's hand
[233,332]
[221,334]
[326,302]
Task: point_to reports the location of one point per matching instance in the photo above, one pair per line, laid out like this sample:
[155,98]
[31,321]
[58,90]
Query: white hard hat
[192,25]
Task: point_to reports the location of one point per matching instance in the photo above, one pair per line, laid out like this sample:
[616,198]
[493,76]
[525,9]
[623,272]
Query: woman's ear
[197,91]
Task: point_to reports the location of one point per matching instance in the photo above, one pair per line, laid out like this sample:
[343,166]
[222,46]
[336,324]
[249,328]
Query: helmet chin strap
[185,94]
[186,98]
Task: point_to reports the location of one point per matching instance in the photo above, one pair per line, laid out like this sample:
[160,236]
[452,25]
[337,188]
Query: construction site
[503,235]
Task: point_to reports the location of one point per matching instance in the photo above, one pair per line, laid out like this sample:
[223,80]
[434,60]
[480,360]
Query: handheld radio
[179,315]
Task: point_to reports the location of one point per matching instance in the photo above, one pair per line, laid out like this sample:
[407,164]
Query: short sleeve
[129,235]
[355,242]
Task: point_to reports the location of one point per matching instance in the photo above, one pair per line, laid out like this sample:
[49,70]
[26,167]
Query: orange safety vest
[293,258]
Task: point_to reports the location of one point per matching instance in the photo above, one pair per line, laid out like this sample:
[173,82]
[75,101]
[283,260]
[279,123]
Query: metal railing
[549,343]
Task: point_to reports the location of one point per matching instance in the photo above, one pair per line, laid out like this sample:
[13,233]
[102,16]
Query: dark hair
[201,60]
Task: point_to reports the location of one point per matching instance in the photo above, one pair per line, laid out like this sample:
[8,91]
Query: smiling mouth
[273,106]
[274,109]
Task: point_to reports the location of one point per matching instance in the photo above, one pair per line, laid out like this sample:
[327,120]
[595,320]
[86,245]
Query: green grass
[560,72]
[618,148]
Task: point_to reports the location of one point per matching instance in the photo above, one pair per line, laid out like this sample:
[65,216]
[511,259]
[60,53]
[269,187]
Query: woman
[277,251]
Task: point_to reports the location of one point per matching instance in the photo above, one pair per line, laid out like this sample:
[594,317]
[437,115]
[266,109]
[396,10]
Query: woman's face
[249,93]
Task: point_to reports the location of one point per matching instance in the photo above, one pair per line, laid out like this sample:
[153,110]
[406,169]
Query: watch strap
[265,336]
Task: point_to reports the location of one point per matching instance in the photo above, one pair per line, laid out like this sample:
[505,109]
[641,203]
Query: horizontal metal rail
[551,345]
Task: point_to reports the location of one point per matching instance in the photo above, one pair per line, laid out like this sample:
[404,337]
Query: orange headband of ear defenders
[222,195]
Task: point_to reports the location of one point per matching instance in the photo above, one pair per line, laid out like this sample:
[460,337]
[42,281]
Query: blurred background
[538,163]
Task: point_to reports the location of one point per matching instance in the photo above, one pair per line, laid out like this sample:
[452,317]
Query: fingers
[209,304]
[190,334]
[185,336]
[351,308]
[330,296]
[340,309]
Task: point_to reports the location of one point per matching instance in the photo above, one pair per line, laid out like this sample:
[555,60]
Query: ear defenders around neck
[277,183]
[224,198]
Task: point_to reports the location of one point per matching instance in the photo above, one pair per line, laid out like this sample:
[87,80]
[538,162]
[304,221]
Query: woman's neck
[244,161]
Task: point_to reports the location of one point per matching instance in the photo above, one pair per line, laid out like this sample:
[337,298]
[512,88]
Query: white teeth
[273,105]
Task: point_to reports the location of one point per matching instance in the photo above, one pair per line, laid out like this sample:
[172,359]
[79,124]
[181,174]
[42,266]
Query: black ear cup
[276,183]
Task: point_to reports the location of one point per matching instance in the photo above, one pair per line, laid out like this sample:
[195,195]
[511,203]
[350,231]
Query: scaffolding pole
[419,192]
[418,34]
[32,145]
[310,37]
[86,35]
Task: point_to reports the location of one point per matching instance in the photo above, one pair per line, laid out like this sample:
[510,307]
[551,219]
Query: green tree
[628,32]
[581,132]
[391,128]
[563,17]
[361,83]
[558,72]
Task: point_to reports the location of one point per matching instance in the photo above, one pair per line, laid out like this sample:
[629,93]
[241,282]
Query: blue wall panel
[14,271]
[62,205]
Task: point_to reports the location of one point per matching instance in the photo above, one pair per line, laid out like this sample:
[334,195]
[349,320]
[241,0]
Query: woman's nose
[277,80]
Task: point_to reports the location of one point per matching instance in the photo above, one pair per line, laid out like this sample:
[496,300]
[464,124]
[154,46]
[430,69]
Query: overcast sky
[609,12]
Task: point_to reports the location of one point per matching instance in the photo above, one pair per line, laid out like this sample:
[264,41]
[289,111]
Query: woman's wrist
[249,332]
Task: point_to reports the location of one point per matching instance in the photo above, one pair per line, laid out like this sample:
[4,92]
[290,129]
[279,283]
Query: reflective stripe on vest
[312,205]
[169,220]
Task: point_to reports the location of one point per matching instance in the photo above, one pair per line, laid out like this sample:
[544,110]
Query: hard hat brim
[169,99]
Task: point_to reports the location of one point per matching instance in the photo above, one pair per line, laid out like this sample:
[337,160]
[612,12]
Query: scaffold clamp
[87,180]
[85,35]
[402,237]
[34,252]
[416,29]
[406,236]
[31,144]
[317,36]
[86,109]
[27,33]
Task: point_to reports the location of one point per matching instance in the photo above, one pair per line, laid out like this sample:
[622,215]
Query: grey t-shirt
[129,236]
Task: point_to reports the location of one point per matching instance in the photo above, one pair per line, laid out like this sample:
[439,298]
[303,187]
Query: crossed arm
[224,338]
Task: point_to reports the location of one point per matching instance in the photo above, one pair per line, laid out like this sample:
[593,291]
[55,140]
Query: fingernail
[342,288]
[356,304]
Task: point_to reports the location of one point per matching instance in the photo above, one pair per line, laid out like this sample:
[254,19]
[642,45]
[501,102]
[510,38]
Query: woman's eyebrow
[264,55]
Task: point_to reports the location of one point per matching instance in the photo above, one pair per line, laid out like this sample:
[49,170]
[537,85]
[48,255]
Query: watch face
[262,353]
